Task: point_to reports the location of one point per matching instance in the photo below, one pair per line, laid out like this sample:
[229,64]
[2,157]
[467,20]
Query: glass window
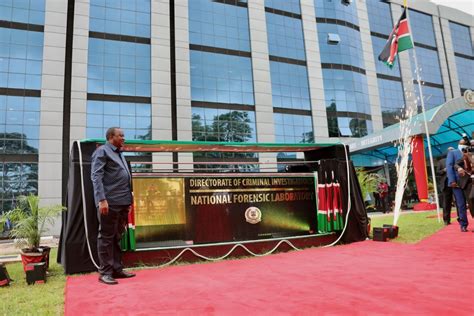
[31,12]
[284,5]
[289,86]
[461,38]
[221,78]
[380,17]
[465,69]
[223,125]
[127,17]
[392,101]
[218,24]
[291,128]
[19,124]
[21,54]
[133,118]
[285,36]
[345,91]
[349,49]
[16,178]
[378,45]
[349,127]
[428,62]
[336,10]
[432,96]
[119,68]
[422,28]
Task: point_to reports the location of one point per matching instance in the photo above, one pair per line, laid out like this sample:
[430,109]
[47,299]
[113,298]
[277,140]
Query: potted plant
[29,223]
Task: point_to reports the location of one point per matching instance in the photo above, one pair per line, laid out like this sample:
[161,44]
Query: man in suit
[453,179]
[111,179]
[447,191]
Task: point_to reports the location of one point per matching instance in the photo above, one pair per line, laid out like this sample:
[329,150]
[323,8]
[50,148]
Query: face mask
[462,147]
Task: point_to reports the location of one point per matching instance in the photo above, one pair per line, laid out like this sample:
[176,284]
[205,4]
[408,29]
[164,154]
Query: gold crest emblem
[253,215]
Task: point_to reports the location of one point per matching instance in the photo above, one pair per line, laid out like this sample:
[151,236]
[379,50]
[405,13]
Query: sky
[463,5]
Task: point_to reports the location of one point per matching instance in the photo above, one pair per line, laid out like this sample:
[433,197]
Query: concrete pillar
[262,80]
[183,78]
[370,69]
[51,118]
[315,72]
[161,128]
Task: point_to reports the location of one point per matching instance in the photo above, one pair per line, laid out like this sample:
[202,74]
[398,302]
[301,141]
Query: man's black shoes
[123,275]
[107,279]
[464,229]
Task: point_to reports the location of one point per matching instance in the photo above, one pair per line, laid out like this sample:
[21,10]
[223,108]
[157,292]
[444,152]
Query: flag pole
[428,138]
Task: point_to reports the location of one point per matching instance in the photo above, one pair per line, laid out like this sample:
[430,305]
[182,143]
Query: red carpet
[432,277]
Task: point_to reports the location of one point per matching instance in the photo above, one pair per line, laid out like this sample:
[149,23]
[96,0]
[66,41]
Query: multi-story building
[286,71]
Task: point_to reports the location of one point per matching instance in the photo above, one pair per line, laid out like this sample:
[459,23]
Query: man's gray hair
[110,132]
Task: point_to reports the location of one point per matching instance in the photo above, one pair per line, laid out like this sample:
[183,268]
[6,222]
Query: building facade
[284,71]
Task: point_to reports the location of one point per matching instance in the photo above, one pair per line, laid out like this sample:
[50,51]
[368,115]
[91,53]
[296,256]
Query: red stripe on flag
[403,28]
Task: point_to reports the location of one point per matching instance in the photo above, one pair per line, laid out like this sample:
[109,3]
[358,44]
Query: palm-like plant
[368,181]
[29,221]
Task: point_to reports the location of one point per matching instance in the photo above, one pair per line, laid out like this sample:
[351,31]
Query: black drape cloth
[73,252]
[357,222]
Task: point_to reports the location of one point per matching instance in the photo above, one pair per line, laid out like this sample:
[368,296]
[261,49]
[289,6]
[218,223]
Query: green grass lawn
[412,227]
[39,299]
[48,299]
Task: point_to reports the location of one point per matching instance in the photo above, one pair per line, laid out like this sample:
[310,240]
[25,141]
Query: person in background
[466,177]
[453,179]
[383,193]
[112,182]
[446,190]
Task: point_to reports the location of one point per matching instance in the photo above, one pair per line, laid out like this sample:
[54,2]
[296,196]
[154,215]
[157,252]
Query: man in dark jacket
[111,179]
[453,180]
[447,191]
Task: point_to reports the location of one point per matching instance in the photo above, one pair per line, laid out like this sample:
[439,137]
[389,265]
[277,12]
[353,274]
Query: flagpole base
[424,206]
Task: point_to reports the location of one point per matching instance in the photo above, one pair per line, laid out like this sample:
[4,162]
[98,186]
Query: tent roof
[446,124]
[193,146]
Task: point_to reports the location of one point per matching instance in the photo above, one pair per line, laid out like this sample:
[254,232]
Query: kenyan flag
[398,41]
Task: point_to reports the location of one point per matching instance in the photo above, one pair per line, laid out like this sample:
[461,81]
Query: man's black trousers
[447,203]
[111,229]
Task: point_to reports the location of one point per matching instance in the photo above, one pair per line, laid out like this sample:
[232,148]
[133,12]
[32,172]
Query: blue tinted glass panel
[285,36]
[23,11]
[21,54]
[119,68]
[345,91]
[461,38]
[290,128]
[428,62]
[336,10]
[218,25]
[223,125]
[19,124]
[221,78]
[432,96]
[392,100]
[422,28]
[348,51]
[127,17]
[285,5]
[16,178]
[378,45]
[465,69]
[349,127]
[380,17]
[289,86]
[133,118]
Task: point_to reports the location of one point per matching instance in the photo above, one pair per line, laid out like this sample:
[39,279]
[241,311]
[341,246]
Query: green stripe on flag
[404,43]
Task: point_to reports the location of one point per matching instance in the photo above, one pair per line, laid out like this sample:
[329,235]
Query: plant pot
[45,250]
[42,255]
